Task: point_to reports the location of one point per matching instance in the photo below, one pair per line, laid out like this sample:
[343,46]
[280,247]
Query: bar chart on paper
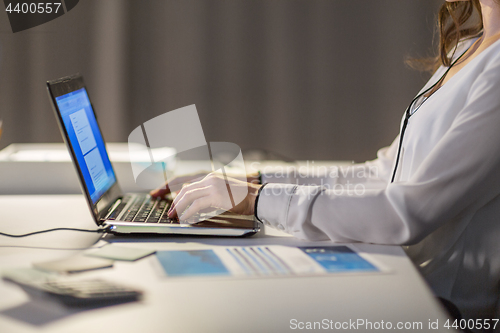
[266,261]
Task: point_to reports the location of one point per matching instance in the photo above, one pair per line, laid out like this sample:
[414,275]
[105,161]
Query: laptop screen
[87,142]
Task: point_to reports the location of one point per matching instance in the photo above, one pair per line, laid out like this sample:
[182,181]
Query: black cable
[54,229]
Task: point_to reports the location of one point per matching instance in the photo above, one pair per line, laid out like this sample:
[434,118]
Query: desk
[198,305]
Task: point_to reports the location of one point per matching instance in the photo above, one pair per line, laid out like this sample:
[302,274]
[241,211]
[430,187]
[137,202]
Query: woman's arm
[459,176]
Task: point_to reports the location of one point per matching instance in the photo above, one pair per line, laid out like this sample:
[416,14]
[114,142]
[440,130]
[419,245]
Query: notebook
[118,212]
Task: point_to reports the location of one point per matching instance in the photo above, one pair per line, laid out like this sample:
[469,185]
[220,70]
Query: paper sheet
[266,261]
[122,253]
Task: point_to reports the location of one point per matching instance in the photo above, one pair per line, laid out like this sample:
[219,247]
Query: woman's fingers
[176,184]
[185,188]
[196,206]
[187,196]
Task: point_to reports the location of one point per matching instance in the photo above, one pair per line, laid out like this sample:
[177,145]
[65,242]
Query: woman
[437,188]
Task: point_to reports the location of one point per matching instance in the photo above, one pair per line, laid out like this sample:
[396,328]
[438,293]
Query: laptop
[113,210]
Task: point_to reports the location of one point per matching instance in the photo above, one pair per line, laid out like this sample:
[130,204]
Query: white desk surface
[197,304]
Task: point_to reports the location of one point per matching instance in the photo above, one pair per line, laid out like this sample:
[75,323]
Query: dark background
[309,79]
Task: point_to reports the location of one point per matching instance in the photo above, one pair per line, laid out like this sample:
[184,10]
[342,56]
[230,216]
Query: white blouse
[444,202]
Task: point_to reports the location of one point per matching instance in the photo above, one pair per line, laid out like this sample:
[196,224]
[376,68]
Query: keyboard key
[165,220]
[145,209]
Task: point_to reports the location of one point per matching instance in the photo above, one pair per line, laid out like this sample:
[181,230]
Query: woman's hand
[177,183]
[214,191]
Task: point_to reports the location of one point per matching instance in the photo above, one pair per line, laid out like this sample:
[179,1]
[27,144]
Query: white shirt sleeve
[374,174]
[459,175]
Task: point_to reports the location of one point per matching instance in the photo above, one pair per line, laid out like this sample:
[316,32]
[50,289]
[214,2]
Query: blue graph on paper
[189,263]
[338,259]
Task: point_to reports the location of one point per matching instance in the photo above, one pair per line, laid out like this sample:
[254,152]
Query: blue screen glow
[87,142]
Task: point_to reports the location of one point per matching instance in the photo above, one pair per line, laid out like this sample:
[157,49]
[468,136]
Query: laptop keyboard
[145,209]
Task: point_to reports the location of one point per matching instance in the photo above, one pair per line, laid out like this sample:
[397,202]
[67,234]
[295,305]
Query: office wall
[309,79]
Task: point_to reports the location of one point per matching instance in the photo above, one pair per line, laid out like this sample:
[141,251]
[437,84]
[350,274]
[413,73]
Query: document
[266,261]
[96,169]
[90,151]
[83,131]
